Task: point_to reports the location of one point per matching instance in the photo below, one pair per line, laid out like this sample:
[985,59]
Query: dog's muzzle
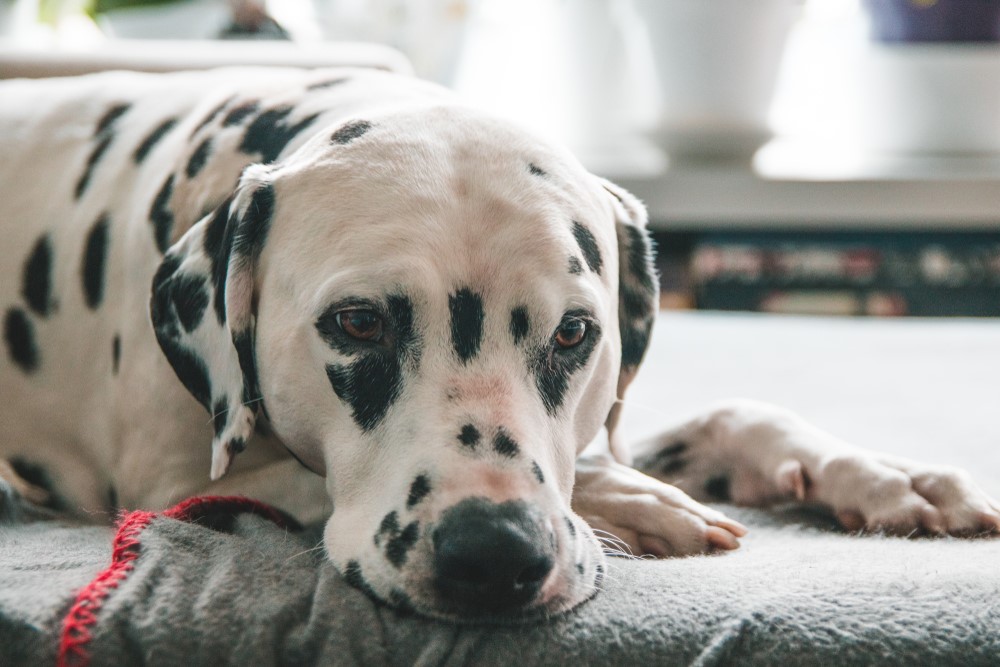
[490,557]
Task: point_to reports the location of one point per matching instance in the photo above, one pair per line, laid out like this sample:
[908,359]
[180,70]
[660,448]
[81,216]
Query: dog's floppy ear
[202,311]
[638,300]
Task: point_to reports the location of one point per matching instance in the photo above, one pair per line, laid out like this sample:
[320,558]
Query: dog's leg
[634,513]
[756,454]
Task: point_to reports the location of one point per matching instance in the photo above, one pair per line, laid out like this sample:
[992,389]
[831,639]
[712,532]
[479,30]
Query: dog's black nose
[491,557]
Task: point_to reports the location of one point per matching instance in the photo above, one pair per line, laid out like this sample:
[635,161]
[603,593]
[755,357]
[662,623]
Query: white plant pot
[717,62]
[931,99]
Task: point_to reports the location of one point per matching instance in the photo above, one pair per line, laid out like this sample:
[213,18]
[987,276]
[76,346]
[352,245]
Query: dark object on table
[934,20]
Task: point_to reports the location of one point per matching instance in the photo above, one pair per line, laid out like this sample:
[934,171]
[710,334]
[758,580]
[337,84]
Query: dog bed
[229,581]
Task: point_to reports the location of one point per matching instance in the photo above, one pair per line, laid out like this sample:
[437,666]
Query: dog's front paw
[901,498]
[633,513]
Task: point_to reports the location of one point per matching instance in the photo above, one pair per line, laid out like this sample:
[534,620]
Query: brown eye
[363,325]
[571,333]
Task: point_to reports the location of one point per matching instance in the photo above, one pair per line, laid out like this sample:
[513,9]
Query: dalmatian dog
[411,315]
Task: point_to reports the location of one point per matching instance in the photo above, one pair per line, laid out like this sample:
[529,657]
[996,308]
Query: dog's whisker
[616,550]
[318,547]
[607,536]
[613,543]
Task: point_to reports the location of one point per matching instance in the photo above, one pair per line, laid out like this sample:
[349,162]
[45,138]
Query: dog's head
[438,312]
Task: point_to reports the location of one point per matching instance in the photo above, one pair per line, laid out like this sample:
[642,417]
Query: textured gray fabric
[797,592]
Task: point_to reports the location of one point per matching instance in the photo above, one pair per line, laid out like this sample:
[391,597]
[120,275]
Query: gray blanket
[797,592]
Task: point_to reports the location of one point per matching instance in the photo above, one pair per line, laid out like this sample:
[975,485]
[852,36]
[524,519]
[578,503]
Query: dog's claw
[851,520]
[721,538]
[990,521]
[932,520]
[734,527]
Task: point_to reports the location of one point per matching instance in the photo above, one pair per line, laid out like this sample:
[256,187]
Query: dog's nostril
[490,557]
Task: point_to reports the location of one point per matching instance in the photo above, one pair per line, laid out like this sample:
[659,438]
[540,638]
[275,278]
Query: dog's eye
[571,333]
[363,325]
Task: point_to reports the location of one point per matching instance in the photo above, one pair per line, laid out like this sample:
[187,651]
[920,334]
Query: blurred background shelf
[946,194]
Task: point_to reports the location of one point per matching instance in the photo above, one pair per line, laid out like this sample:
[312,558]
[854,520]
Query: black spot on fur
[329,83]
[350,131]
[400,310]
[116,353]
[519,323]
[419,489]
[353,576]
[672,465]
[466,322]
[212,115]
[110,117]
[104,134]
[635,341]
[199,158]
[189,367]
[388,527]
[588,246]
[270,132]
[177,297]
[633,304]
[251,232]
[36,285]
[399,545]
[537,470]
[160,301]
[220,413]
[88,170]
[505,445]
[570,526]
[636,294]
[160,131]
[579,568]
[469,436]
[92,270]
[640,268]
[218,244]
[237,445]
[598,575]
[553,367]
[536,170]
[575,267]
[238,113]
[189,296]
[244,344]
[20,337]
[161,216]
[675,449]
[718,488]
[398,542]
[370,385]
